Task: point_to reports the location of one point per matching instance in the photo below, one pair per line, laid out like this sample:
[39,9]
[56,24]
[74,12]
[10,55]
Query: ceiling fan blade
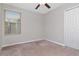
[37,6]
[47,5]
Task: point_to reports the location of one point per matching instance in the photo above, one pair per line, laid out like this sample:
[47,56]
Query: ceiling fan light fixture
[45,4]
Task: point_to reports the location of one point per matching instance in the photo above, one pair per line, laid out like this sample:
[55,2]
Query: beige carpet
[38,48]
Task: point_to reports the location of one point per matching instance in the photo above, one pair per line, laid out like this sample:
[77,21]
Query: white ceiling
[31,7]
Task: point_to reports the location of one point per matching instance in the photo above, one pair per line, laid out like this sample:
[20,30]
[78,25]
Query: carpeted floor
[38,48]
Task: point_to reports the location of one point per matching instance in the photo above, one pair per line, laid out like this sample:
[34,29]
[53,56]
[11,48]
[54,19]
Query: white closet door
[71,28]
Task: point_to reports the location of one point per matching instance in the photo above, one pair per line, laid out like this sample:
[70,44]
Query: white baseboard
[56,42]
[20,43]
[32,41]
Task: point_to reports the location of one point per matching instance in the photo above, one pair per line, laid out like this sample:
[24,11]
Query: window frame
[5,10]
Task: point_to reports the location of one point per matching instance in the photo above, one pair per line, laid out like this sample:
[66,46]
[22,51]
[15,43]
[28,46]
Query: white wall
[55,23]
[0,26]
[31,27]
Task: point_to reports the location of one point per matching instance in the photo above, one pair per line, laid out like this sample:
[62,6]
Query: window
[12,22]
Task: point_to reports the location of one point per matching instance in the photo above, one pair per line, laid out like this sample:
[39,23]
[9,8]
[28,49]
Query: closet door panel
[71,28]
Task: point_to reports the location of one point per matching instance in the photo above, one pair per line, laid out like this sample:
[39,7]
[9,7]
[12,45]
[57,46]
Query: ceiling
[31,7]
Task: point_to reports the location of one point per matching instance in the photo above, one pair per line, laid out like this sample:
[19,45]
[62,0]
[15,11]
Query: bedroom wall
[55,23]
[31,27]
[0,26]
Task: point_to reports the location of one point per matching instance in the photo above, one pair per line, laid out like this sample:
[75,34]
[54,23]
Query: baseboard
[32,41]
[56,42]
[20,43]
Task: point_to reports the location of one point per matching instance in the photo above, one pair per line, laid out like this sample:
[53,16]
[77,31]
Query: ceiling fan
[47,5]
